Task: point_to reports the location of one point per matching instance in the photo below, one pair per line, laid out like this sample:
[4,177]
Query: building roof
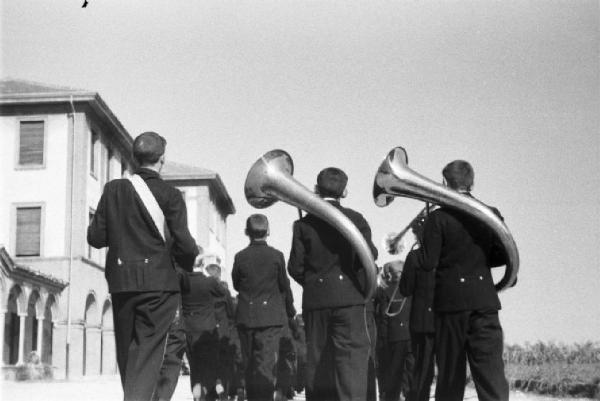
[22,92]
[179,173]
[21,87]
[26,273]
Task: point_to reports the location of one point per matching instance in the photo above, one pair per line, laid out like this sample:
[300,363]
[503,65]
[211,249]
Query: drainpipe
[72,195]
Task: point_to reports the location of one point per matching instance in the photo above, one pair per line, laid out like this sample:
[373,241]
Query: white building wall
[35,185]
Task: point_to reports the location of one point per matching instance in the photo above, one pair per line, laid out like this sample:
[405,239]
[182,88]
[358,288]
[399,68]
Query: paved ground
[108,388]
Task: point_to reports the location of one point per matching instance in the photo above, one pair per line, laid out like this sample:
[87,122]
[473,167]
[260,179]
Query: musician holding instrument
[325,264]
[462,250]
[420,285]
[395,352]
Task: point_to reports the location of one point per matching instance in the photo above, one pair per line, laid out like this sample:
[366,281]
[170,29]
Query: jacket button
[480,278]
[264,302]
[428,309]
[401,324]
[250,302]
[341,277]
[462,280]
[320,280]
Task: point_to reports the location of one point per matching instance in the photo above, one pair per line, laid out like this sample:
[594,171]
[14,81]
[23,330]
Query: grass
[556,379]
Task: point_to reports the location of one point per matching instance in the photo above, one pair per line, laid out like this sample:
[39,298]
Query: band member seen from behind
[461,250]
[395,351]
[259,276]
[143,222]
[420,285]
[223,314]
[325,264]
[200,321]
[286,361]
[174,350]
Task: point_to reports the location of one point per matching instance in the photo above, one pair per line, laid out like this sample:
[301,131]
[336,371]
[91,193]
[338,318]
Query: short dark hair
[257,226]
[332,181]
[459,175]
[148,147]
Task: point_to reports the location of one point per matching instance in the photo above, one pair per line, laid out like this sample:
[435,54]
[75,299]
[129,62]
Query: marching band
[364,333]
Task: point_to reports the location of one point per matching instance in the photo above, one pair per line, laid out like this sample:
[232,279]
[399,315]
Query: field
[555,369]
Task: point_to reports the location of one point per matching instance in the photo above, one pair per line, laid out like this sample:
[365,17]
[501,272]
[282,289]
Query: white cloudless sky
[513,87]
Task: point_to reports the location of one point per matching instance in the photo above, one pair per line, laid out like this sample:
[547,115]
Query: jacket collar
[146,173]
[258,242]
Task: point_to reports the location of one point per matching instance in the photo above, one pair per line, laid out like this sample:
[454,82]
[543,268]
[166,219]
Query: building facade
[58,147]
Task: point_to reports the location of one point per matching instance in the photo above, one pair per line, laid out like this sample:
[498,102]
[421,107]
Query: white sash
[149,202]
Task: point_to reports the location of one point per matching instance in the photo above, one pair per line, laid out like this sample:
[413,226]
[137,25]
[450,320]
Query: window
[31,143]
[29,230]
[109,156]
[123,167]
[93,152]
[90,250]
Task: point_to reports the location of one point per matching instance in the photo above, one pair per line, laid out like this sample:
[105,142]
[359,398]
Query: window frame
[24,205]
[95,153]
[44,120]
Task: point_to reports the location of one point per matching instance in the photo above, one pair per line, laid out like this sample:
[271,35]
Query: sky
[513,87]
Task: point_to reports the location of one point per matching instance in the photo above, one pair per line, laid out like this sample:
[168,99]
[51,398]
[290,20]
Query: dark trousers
[141,323]
[338,349]
[203,356]
[399,365]
[423,345]
[260,347]
[476,336]
[171,367]
[372,367]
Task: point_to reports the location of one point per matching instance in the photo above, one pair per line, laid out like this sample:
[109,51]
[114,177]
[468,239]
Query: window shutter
[31,143]
[29,226]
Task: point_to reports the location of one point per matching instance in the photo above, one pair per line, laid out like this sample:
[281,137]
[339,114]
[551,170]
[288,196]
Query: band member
[224,314]
[286,361]
[461,250]
[325,264]
[420,285]
[174,350]
[259,276]
[395,350]
[201,333]
[139,268]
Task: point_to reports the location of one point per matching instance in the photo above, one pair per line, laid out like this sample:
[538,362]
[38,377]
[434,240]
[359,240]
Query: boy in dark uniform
[324,263]
[259,276]
[224,314]
[144,231]
[461,250]
[395,350]
[201,333]
[420,284]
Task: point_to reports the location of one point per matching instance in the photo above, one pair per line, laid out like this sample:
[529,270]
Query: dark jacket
[198,304]
[392,328]
[224,312]
[461,249]
[263,287]
[420,284]
[325,264]
[138,258]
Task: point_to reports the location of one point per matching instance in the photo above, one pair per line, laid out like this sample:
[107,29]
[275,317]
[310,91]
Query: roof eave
[93,98]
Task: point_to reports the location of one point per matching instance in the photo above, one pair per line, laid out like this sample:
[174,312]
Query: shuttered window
[31,143]
[29,228]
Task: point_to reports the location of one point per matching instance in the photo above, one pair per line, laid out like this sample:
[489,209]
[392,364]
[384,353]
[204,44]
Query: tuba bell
[270,179]
[395,178]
